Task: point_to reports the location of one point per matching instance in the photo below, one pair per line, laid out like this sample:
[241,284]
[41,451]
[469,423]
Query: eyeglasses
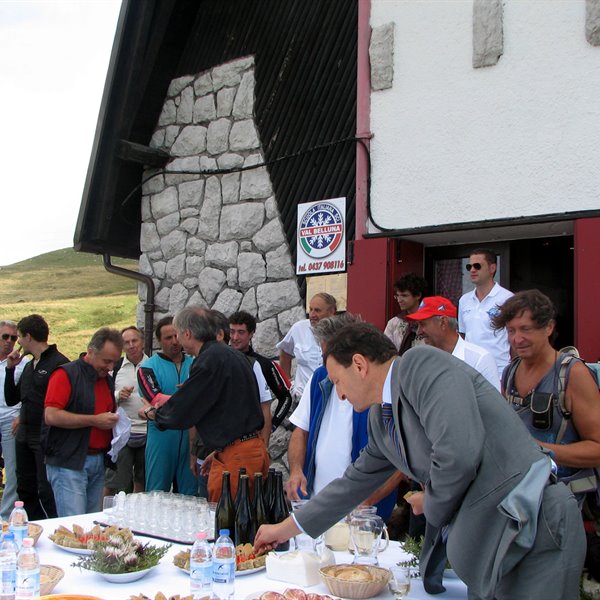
[476,266]
[6,336]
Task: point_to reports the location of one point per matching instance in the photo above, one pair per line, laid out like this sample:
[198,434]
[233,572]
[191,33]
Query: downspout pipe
[148,305]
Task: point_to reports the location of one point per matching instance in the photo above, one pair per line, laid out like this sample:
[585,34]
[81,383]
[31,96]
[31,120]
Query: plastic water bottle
[28,572]
[201,567]
[8,567]
[223,576]
[18,523]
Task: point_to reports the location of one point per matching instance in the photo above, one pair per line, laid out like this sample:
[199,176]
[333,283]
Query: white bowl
[125,577]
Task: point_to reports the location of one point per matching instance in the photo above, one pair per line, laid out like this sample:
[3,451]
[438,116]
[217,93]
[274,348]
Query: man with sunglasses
[8,416]
[477,308]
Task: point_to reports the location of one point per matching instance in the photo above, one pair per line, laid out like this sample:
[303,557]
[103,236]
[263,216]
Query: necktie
[387,416]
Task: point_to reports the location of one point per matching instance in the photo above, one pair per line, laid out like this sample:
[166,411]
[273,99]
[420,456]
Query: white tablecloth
[170,580]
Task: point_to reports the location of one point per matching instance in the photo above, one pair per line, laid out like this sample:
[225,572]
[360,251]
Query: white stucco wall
[455,144]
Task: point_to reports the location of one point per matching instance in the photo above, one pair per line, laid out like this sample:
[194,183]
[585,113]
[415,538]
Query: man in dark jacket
[79,416]
[32,485]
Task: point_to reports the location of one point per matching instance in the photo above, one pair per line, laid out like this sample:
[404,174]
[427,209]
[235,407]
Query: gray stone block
[230,74]
[218,136]
[266,336]
[160,269]
[186,106]
[244,99]
[256,183]
[154,183]
[271,208]
[186,213]
[207,164]
[203,84]
[171,133]
[178,298]
[488,35]
[149,238]
[231,188]
[249,302]
[208,224]
[167,224]
[232,277]
[381,56]
[158,139]
[222,255]
[204,109]
[243,136]
[246,246]
[251,268]
[190,142]
[164,203]
[190,282]
[230,161]
[197,300]
[191,193]
[225,99]
[228,301]
[241,220]
[176,269]
[210,283]
[194,265]
[190,225]
[144,265]
[161,300]
[188,169]
[274,298]
[196,246]
[592,22]
[173,244]
[279,264]
[178,84]
[168,115]
[270,236]
[288,317]
[145,209]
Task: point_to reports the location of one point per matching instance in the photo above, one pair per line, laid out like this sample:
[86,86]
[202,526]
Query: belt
[96,451]
[243,438]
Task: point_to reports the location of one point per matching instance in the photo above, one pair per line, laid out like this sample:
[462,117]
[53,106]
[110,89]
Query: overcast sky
[53,60]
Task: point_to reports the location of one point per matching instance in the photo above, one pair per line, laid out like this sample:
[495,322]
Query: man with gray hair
[79,416]
[8,418]
[329,434]
[438,326]
[220,399]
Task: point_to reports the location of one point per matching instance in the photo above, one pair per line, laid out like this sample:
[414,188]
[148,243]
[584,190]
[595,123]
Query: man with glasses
[477,308]
[32,483]
[8,418]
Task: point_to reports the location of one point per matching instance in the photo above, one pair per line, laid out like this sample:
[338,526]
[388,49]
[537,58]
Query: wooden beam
[144,155]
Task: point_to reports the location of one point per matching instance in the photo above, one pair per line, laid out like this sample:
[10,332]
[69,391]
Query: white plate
[125,577]
[80,551]
[237,573]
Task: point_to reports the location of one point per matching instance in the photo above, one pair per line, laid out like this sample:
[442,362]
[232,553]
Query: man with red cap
[438,326]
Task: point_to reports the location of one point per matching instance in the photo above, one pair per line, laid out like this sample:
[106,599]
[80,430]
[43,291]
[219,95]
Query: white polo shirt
[474,321]
[478,358]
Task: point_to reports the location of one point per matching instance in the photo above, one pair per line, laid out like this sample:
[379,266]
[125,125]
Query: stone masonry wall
[216,239]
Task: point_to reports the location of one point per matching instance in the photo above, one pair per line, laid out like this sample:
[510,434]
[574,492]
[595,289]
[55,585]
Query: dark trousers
[33,487]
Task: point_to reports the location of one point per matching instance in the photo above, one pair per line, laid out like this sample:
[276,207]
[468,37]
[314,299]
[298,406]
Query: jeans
[10,468]
[78,492]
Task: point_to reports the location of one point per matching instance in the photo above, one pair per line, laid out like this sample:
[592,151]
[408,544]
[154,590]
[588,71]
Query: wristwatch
[148,410]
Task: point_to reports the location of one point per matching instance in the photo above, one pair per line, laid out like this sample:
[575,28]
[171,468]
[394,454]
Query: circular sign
[321,230]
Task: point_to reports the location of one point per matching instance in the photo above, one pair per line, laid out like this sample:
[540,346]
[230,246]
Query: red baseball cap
[433,306]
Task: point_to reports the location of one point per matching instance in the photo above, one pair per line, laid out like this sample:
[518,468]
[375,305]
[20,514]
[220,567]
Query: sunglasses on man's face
[475,266]
[6,336]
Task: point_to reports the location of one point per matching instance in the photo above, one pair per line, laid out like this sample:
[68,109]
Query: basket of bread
[355,581]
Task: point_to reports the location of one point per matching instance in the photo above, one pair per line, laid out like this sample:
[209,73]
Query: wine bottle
[260,510]
[280,510]
[225,512]
[245,523]
[267,495]
[236,502]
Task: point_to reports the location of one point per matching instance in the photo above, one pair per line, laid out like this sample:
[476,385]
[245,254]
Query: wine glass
[399,584]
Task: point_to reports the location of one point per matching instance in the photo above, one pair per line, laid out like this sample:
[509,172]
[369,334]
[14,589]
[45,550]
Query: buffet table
[170,580]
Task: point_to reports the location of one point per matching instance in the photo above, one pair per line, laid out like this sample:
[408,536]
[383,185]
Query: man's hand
[15,425]
[296,480]
[106,420]
[205,469]
[416,501]
[268,537]
[14,358]
[125,393]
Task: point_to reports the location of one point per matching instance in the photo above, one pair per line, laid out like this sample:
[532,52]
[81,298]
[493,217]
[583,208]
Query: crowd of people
[496,430]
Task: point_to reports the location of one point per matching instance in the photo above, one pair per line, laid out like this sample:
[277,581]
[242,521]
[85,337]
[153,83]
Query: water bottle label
[201,577]
[9,579]
[28,585]
[224,572]
[20,532]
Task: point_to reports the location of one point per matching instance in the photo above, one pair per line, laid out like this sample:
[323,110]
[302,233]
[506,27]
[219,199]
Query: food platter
[79,551]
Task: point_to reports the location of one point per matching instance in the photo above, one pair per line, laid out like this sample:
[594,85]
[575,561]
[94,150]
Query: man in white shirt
[8,415]
[476,308]
[300,342]
[438,327]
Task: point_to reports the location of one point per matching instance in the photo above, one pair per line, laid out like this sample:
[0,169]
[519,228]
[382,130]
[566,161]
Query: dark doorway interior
[542,263]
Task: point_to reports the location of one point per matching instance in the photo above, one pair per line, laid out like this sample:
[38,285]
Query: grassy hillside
[72,291]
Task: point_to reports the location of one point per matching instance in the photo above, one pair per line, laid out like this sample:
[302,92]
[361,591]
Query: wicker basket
[49,577]
[35,531]
[355,590]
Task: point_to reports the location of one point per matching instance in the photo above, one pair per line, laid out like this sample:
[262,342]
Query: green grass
[73,292]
